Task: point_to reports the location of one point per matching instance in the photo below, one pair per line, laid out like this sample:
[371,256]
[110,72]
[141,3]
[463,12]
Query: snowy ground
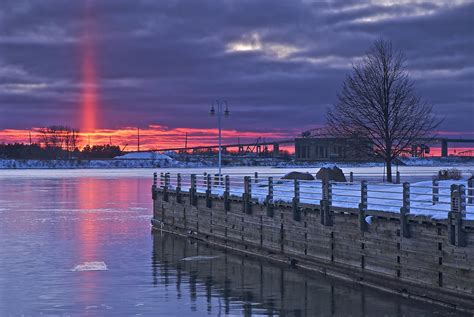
[381,196]
[92,164]
[174,160]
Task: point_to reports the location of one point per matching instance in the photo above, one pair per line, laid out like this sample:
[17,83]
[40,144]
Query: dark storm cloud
[279,63]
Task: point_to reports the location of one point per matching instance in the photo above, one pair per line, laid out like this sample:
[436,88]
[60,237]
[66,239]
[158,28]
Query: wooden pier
[400,252]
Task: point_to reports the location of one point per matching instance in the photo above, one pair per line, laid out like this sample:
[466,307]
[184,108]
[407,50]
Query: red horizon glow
[160,137]
[153,137]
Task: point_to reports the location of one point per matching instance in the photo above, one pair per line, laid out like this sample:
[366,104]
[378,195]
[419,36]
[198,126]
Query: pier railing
[437,199]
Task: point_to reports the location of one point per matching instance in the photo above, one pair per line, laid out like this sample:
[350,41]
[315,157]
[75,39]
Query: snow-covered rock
[331,173]
[299,175]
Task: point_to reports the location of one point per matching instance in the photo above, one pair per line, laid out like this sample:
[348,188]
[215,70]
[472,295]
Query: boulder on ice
[331,173]
[299,176]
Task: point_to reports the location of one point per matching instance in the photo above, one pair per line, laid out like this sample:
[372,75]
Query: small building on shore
[323,147]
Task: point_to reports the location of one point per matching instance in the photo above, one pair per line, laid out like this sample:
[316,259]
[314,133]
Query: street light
[217,109]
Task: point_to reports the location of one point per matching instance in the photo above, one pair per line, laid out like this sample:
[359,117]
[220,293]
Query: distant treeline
[57,142]
[38,152]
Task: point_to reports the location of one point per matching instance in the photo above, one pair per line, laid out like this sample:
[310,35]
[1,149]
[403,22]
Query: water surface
[78,243]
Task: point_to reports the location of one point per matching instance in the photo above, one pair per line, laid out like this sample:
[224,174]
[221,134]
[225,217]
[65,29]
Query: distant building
[332,149]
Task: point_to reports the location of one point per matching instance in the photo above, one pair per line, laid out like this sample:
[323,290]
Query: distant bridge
[468,153]
[256,147]
[444,144]
[263,146]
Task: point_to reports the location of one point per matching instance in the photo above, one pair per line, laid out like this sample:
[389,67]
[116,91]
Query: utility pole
[138,145]
[30,137]
[186,143]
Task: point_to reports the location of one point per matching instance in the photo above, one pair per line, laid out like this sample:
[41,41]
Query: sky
[109,66]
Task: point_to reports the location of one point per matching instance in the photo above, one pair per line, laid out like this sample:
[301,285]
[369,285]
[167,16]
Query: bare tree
[71,137]
[59,138]
[378,103]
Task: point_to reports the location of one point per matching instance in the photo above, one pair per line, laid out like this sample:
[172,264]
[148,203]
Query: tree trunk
[389,170]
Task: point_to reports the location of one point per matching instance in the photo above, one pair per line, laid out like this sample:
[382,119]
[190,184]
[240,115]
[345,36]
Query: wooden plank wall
[426,260]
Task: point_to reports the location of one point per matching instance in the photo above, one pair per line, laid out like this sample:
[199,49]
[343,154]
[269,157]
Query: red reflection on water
[88,200]
[104,213]
[89,197]
[103,204]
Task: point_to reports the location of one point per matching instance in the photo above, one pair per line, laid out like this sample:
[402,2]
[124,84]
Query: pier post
[162,179]
[322,202]
[226,193]
[247,196]
[178,188]
[458,211]
[363,206]
[192,191]
[351,177]
[397,178]
[296,201]
[166,188]
[256,177]
[329,193]
[462,200]
[269,200]
[470,190]
[153,188]
[435,192]
[208,191]
[326,203]
[404,211]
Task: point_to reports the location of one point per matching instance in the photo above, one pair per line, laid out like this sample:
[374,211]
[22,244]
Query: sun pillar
[89,100]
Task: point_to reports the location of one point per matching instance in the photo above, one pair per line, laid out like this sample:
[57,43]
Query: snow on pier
[427,198]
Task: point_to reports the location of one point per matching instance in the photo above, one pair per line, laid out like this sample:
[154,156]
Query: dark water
[51,222]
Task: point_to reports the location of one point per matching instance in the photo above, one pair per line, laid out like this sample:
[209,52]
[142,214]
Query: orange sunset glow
[152,137]
[159,137]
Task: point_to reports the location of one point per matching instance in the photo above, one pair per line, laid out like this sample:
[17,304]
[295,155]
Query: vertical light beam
[89,103]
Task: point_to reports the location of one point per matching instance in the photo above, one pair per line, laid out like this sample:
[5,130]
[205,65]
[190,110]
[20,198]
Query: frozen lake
[373,173]
[78,243]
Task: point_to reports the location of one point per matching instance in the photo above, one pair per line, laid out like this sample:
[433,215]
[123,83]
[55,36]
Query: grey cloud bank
[279,63]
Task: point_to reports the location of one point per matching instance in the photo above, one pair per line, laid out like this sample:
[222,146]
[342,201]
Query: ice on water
[201,258]
[90,266]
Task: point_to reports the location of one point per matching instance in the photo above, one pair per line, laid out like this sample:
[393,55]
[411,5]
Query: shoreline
[27,164]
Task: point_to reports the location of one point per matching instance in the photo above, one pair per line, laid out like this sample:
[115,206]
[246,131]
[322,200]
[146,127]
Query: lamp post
[217,109]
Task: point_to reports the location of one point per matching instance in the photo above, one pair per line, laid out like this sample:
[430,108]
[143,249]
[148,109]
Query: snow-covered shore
[173,160]
[89,164]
